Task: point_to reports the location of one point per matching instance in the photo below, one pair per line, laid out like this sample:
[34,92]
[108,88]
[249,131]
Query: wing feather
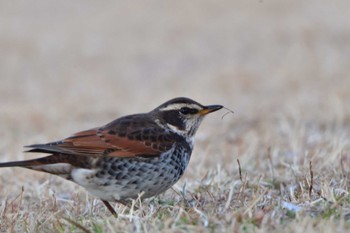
[100,142]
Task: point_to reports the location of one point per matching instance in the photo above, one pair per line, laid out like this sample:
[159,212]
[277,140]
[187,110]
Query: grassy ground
[282,66]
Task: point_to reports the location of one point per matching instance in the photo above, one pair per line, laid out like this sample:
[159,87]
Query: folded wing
[100,142]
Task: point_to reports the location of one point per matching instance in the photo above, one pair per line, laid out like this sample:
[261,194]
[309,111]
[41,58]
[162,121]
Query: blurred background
[66,66]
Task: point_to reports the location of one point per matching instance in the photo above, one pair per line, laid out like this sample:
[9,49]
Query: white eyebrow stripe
[179,106]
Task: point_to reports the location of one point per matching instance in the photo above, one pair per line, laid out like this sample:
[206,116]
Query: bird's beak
[209,109]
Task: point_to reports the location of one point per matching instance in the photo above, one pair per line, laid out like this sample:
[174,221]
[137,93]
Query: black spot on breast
[119,176]
[102,172]
[133,169]
[143,170]
[120,167]
[106,184]
[111,172]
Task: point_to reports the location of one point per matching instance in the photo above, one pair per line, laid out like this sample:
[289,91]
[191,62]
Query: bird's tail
[57,164]
[29,163]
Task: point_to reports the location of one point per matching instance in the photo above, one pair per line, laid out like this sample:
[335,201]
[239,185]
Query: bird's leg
[126,203]
[110,208]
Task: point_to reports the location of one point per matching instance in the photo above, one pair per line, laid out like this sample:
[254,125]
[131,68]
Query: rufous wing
[99,142]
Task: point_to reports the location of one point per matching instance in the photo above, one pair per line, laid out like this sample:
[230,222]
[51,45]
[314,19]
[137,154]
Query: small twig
[211,195]
[194,197]
[18,196]
[311,180]
[229,111]
[176,191]
[239,170]
[244,182]
[5,207]
[76,224]
[60,226]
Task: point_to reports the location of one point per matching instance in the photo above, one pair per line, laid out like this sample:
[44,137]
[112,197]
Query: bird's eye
[186,111]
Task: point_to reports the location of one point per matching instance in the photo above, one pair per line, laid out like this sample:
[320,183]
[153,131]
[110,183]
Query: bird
[143,153]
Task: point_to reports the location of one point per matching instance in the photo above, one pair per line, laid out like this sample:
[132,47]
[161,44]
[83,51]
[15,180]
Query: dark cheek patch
[173,117]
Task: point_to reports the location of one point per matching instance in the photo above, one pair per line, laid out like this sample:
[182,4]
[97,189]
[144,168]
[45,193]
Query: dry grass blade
[254,202]
[311,180]
[77,225]
[269,157]
[226,113]
[239,170]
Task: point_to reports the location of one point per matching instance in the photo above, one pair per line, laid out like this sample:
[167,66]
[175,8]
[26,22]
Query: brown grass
[282,66]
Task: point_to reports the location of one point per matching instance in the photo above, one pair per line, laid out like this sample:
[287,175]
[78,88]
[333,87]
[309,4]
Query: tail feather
[49,164]
[25,163]
[33,162]
[74,160]
[57,164]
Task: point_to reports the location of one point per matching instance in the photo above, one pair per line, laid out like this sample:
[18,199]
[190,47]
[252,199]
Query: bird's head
[182,115]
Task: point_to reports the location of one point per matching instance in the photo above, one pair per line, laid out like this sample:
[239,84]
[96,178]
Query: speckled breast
[123,178]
